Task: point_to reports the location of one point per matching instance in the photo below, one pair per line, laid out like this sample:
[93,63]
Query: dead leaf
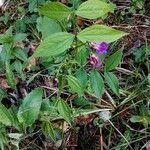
[62,125]
[85,119]
[80,21]
[66,127]
[19,45]
[3,83]
[32,62]
[100,21]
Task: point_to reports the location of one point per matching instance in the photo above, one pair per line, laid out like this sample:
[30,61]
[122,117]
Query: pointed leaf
[82,77]
[64,110]
[5,116]
[100,33]
[47,26]
[3,94]
[20,37]
[55,10]
[82,55]
[97,83]
[112,81]
[114,60]
[7,36]
[75,85]
[145,120]
[10,75]
[93,9]
[54,45]
[48,130]
[29,109]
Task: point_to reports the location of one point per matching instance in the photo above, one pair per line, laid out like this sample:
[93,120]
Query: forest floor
[129,125]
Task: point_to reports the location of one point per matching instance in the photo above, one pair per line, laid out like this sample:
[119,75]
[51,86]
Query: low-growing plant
[79,61]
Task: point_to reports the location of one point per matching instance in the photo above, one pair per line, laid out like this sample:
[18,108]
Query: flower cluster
[94,61]
[101,48]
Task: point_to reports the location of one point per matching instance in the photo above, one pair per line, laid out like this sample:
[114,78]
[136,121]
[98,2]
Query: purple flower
[101,48]
[94,61]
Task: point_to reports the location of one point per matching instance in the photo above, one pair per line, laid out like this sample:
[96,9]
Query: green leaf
[20,37]
[112,81]
[18,66]
[93,9]
[48,105]
[139,53]
[55,10]
[6,52]
[64,110]
[81,75]
[75,84]
[75,3]
[47,26]
[10,76]
[97,83]
[20,25]
[100,33]
[7,36]
[54,45]
[48,130]
[80,101]
[30,107]
[113,61]
[21,54]
[3,94]
[135,119]
[81,56]
[5,116]
[145,120]
[33,4]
